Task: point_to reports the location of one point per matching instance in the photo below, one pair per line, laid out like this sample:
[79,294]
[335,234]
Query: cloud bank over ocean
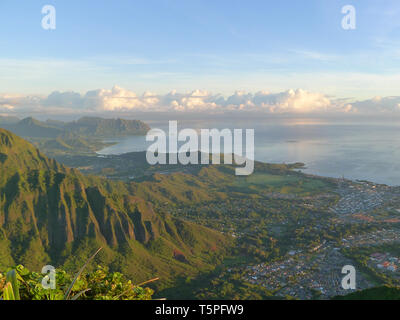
[118,99]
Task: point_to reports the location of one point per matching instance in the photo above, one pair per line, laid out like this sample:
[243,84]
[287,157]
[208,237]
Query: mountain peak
[30,121]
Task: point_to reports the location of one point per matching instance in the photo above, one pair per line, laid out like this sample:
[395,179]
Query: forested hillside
[53,214]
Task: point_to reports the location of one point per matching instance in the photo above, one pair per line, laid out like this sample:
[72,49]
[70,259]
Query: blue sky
[220,46]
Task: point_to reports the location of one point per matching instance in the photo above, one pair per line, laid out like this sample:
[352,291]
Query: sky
[167,51]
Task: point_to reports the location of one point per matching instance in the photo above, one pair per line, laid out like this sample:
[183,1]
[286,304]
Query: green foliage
[8,292]
[12,282]
[231,286]
[99,284]
[289,183]
[377,293]
[218,285]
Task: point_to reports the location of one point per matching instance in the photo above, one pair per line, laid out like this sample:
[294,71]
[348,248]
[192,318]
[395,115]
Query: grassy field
[286,184]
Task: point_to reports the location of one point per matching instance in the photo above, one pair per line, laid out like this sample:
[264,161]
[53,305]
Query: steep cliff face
[50,213]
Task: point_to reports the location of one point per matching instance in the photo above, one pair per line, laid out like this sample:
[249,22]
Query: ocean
[363,150]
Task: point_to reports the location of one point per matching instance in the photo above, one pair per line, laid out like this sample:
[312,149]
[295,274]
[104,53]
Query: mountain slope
[53,214]
[86,126]
[30,127]
[69,143]
[89,126]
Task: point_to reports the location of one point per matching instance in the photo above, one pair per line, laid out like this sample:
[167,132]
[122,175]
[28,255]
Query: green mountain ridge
[107,127]
[51,214]
[30,127]
[86,127]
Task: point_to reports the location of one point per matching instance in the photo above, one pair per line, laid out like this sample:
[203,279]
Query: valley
[205,232]
[291,230]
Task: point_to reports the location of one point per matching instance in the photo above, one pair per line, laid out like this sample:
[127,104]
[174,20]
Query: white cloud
[119,99]
[6,107]
[63,100]
[116,99]
[377,105]
[293,101]
[14,102]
